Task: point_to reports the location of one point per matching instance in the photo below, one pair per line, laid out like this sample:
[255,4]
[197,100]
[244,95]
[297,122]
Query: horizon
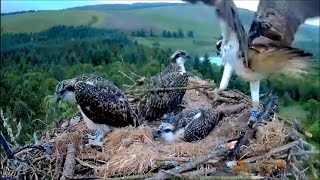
[9,6]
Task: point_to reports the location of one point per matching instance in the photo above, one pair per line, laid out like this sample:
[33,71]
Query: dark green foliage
[180,33]
[151,33]
[140,33]
[164,33]
[190,34]
[176,34]
[169,35]
[197,63]
[206,68]
[313,118]
[33,64]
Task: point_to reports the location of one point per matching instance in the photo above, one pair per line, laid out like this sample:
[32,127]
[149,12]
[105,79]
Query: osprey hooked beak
[218,45]
[156,134]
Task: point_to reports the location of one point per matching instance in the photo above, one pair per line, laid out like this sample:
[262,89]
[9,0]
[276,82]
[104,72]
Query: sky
[20,5]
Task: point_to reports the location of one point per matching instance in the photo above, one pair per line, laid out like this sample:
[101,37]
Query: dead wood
[273,151]
[251,129]
[144,176]
[70,162]
[218,153]
[166,89]
[233,109]
[200,172]
[231,177]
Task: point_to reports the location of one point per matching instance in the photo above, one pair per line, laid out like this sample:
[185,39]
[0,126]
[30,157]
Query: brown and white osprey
[102,104]
[267,48]
[165,100]
[189,125]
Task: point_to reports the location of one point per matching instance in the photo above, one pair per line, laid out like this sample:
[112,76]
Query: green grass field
[187,44]
[39,21]
[171,18]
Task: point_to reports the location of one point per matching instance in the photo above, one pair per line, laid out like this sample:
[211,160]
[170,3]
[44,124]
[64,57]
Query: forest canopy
[32,65]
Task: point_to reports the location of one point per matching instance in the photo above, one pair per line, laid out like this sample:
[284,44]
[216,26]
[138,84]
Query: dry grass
[133,151]
[268,136]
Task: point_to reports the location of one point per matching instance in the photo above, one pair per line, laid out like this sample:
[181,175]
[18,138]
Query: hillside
[156,16]
[43,20]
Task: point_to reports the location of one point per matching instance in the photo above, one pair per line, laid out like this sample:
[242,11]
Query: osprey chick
[164,101]
[189,125]
[102,104]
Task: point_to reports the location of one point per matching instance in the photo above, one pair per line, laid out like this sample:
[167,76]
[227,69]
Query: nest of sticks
[275,149]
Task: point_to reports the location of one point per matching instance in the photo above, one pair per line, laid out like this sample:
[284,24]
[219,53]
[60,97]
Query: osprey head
[65,91]
[218,45]
[167,132]
[179,57]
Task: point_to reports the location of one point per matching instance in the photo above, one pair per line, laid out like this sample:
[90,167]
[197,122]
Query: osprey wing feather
[267,49]
[272,33]
[277,21]
[165,100]
[189,125]
[102,104]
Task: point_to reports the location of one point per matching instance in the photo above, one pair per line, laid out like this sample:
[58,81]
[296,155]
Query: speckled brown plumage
[190,125]
[157,103]
[101,101]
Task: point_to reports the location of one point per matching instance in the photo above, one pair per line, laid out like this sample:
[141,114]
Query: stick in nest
[128,77]
[122,61]
[252,127]
[70,162]
[218,152]
[167,89]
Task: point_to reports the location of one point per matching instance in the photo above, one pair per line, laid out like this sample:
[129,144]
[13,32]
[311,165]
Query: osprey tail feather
[272,59]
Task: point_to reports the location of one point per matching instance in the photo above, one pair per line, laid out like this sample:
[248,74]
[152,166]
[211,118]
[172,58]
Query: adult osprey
[163,101]
[102,104]
[189,125]
[266,50]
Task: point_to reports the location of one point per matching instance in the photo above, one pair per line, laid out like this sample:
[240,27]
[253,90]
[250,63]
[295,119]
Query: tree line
[33,64]
[165,33]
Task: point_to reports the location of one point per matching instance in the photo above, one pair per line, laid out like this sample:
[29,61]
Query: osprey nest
[233,150]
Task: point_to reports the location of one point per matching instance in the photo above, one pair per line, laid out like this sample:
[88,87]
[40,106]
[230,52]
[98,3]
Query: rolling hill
[156,16]
[43,20]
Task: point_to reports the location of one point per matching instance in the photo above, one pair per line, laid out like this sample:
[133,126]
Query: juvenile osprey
[165,101]
[189,125]
[102,104]
[267,49]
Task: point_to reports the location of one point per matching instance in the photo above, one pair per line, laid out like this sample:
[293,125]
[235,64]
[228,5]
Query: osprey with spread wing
[267,48]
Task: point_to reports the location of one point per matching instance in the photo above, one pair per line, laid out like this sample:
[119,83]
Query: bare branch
[273,151]
[69,165]
[122,61]
[127,77]
[166,89]
[217,153]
